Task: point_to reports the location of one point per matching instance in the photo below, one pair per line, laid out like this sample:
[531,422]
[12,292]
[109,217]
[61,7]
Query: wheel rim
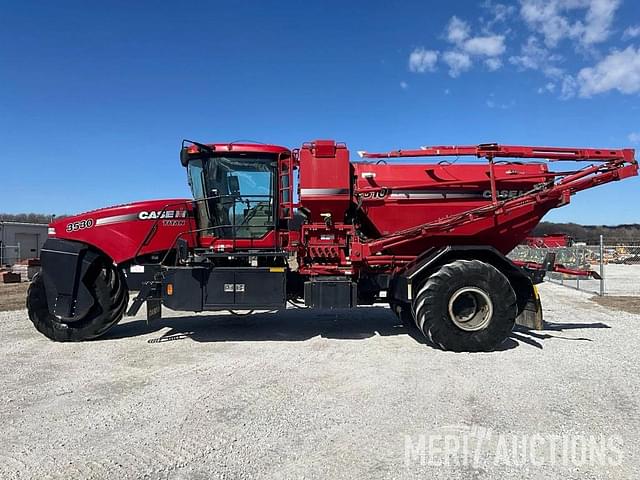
[470,309]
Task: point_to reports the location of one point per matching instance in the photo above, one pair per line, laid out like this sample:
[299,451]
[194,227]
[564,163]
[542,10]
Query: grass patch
[13,296]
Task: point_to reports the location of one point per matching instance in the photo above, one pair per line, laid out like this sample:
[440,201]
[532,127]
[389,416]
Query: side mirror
[184,156]
[184,153]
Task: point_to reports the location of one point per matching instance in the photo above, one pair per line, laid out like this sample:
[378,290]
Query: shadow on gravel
[294,325]
[284,325]
[532,337]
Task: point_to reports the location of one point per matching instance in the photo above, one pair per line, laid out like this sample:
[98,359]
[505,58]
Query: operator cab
[235,188]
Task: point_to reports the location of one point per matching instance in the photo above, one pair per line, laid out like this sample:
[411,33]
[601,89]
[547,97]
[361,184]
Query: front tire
[466,306]
[111,296]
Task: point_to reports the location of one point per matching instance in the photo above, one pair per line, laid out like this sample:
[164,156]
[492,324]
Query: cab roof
[238,147]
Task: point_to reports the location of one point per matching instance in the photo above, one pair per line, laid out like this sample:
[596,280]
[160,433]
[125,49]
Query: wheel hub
[470,309]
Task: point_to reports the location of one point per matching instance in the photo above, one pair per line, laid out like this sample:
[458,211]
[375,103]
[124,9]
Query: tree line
[28,217]
[628,233]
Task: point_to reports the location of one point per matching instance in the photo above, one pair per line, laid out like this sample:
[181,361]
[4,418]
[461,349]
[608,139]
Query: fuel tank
[325,180]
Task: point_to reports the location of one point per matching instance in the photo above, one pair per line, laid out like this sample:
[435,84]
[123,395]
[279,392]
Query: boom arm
[493,150]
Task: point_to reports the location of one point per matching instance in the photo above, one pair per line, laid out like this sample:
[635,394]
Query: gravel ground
[622,279]
[320,395]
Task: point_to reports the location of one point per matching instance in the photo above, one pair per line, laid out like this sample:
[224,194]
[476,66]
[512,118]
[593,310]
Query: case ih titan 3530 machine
[429,239]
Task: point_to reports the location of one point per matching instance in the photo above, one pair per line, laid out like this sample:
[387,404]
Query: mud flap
[149,293]
[65,264]
[154,309]
[531,316]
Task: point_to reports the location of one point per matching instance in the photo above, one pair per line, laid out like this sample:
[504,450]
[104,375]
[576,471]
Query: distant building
[19,241]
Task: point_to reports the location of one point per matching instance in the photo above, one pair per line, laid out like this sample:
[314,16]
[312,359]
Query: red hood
[121,209]
[120,230]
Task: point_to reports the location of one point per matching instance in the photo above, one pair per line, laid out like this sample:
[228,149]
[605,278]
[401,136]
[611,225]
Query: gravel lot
[315,395]
[622,279]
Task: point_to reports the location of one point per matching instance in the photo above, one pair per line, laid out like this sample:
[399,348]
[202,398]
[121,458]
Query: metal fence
[9,254]
[617,263]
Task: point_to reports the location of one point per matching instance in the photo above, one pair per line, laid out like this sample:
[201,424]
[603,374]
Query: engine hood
[119,231]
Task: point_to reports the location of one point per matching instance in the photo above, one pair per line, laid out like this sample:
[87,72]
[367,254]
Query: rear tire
[466,306]
[111,296]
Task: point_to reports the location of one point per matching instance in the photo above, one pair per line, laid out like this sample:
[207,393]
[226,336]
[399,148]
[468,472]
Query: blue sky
[96,96]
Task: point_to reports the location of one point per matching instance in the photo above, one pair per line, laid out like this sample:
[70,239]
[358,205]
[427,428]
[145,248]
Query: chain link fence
[617,263]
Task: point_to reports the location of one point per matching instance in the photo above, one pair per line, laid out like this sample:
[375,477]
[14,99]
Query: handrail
[151,232]
[197,230]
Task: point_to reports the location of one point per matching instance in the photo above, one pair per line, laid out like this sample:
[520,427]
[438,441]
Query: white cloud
[460,58]
[499,12]
[598,21]
[568,87]
[491,103]
[585,23]
[457,30]
[544,16]
[466,47]
[404,85]
[634,137]
[458,33]
[549,87]
[631,32]
[551,19]
[493,64]
[422,60]
[620,70]
[490,46]
[458,62]
[534,56]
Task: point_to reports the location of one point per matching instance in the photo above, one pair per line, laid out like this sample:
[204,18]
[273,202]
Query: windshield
[235,195]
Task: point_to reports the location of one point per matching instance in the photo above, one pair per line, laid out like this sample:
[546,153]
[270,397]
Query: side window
[197,184]
[242,195]
[254,208]
[255,183]
[196,179]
